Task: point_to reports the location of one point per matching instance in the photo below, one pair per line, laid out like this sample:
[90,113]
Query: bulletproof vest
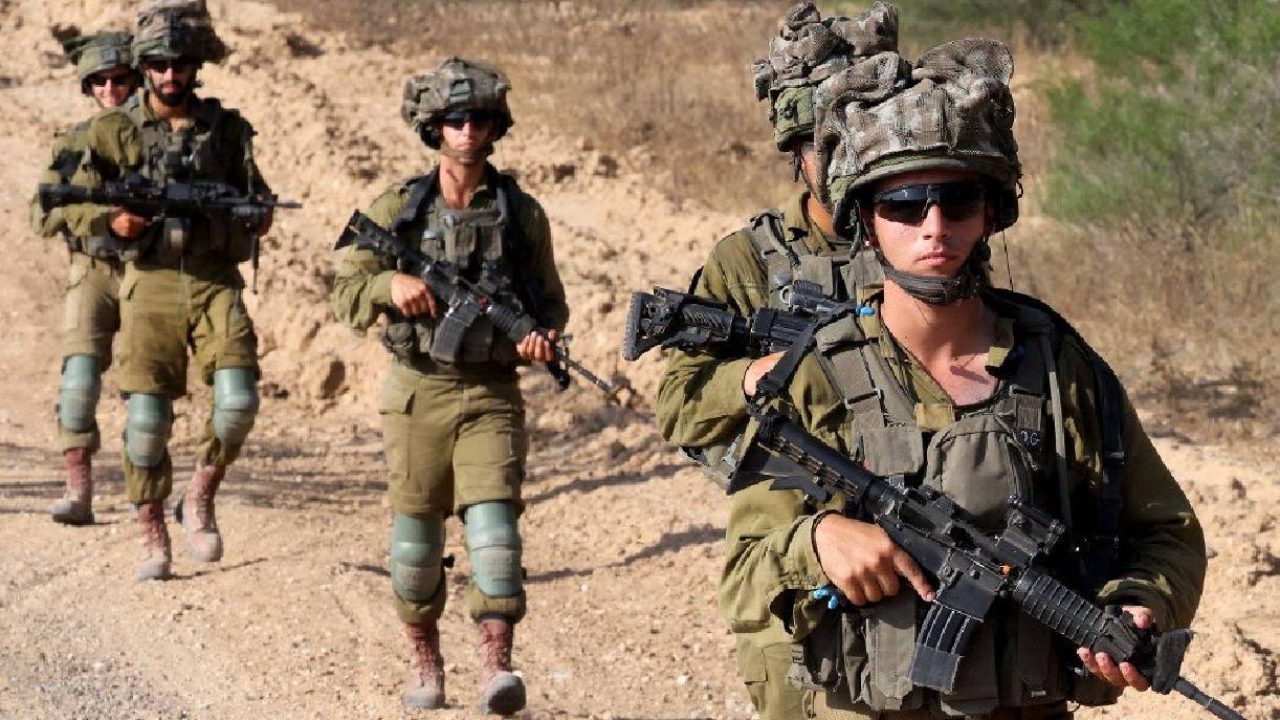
[786,258]
[980,456]
[486,245]
[194,152]
[65,165]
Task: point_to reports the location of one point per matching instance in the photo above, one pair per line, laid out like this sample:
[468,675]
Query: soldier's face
[929,237]
[468,133]
[110,88]
[171,80]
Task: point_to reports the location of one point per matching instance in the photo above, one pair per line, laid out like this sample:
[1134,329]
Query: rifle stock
[671,319]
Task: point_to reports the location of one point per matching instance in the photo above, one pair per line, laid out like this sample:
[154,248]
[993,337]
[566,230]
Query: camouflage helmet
[177,29]
[96,53]
[951,109]
[807,50]
[458,84]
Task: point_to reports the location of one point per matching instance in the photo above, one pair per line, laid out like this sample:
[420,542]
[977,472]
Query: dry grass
[664,86]
[1193,327]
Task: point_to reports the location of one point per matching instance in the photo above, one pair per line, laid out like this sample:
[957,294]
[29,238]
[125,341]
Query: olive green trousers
[452,441]
[170,319]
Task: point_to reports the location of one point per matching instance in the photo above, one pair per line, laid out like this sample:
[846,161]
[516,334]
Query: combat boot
[156,555]
[195,513]
[75,507]
[425,688]
[501,691]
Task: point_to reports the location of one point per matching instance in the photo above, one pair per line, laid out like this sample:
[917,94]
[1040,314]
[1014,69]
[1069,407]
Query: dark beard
[175,99]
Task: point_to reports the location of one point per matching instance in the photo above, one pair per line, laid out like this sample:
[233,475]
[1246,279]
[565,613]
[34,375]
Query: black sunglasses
[160,65]
[117,80]
[910,203]
[457,118]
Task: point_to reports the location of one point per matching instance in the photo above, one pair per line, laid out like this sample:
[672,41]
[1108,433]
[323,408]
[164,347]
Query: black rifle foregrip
[1070,615]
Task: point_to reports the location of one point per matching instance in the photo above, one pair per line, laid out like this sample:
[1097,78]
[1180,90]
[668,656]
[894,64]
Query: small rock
[563,171]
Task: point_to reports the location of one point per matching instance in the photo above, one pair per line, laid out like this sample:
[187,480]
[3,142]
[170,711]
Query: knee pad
[78,394]
[493,544]
[235,404]
[146,431]
[417,556]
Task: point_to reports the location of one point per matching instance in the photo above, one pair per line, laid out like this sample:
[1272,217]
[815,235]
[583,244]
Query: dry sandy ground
[622,537]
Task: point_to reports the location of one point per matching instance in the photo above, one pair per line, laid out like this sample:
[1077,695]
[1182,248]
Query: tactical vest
[786,258]
[196,152]
[65,164]
[980,456]
[488,246]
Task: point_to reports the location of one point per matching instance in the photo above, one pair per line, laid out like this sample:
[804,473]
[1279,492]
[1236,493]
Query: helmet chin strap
[965,284]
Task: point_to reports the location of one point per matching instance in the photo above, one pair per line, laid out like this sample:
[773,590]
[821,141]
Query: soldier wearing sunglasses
[981,393]
[701,407]
[182,286]
[454,426]
[103,63]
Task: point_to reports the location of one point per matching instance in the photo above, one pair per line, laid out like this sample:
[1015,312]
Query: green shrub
[1177,118]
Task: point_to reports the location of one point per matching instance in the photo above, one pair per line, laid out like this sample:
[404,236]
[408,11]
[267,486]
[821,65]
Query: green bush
[1177,119]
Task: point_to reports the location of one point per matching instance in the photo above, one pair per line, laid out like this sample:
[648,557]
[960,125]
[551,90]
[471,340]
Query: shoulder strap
[1101,553]
[780,261]
[515,245]
[421,189]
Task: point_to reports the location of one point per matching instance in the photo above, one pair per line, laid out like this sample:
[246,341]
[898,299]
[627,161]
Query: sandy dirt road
[622,537]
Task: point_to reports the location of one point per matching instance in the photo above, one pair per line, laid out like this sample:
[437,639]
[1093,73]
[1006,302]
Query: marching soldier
[453,428]
[983,394]
[104,64]
[700,406]
[182,286]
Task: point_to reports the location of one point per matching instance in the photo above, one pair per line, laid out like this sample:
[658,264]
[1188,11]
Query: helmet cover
[177,29]
[807,50]
[458,84]
[952,108]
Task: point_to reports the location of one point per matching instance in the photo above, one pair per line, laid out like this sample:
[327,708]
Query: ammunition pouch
[99,248]
[400,338]
[239,233]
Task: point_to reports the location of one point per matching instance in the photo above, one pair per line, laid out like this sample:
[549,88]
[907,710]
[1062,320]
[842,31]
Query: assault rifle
[691,323]
[159,201]
[467,301]
[971,567]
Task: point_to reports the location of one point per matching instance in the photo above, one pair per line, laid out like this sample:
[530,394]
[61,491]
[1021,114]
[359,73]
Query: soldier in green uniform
[754,268]
[983,394]
[454,431]
[182,286]
[92,309]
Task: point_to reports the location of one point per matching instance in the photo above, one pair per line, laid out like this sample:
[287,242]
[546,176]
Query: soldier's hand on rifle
[758,369]
[538,346]
[125,224]
[412,297]
[861,560]
[1121,675]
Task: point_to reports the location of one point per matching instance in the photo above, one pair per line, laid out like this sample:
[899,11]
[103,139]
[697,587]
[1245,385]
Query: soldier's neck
[819,215]
[459,180]
[937,334]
